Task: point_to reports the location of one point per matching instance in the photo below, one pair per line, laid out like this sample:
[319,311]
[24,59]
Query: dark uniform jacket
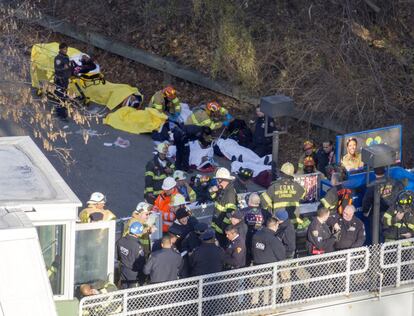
[154,176]
[225,202]
[393,228]
[239,186]
[266,247]
[242,229]
[284,193]
[182,231]
[62,69]
[163,265]
[286,233]
[131,257]
[235,254]
[191,242]
[352,234]
[320,239]
[388,194]
[323,160]
[262,145]
[208,258]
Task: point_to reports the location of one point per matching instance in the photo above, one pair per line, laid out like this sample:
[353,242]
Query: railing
[268,287]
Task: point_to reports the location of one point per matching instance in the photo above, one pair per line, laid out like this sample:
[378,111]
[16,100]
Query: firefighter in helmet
[166,100]
[212,115]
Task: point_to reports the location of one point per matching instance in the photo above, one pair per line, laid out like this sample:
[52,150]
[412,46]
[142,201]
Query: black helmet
[405,198]
[245,173]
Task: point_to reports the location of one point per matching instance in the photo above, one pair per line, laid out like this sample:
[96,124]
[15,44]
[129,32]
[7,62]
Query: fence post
[348,273]
[274,288]
[200,296]
[398,281]
[125,303]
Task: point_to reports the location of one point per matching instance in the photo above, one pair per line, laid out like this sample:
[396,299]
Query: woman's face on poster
[351,147]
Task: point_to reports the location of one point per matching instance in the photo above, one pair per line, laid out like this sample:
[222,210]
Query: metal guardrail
[258,288]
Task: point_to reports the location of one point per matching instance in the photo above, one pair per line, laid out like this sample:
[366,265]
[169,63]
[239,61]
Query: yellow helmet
[288,169]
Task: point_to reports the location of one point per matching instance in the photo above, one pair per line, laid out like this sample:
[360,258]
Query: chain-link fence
[266,287]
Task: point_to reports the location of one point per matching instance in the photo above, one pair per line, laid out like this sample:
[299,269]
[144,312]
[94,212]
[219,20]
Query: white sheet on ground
[230,148]
[185,112]
[197,153]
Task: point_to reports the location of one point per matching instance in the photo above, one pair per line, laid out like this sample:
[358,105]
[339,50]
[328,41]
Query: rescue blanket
[135,121]
[229,148]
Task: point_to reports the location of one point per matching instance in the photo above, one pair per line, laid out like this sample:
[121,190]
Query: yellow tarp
[136,121]
[42,69]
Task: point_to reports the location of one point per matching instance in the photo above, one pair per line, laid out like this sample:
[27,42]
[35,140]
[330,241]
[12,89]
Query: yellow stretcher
[93,88]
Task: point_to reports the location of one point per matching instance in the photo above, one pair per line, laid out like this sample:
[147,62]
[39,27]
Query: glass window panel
[91,255]
[52,244]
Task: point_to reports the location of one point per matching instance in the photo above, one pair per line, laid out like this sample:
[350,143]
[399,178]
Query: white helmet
[179,175]
[96,198]
[288,169]
[168,183]
[143,206]
[162,148]
[177,200]
[223,173]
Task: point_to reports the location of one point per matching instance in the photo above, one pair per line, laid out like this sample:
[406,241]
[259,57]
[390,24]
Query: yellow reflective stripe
[388,219]
[172,166]
[267,199]
[226,220]
[192,195]
[230,205]
[410,226]
[156,105]
[148,189]
[223,111]
[157,192]
[52,270]
[398,225]
[144,241]
[194,119]
[149,173]
[103,291]
[300,165]
[326,204]
[161,177]
[216,228]
[219,207]
[285,204]
[213,195]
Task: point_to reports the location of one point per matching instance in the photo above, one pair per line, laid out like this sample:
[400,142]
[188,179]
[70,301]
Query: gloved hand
[226,123]
[229,117]
[174,117]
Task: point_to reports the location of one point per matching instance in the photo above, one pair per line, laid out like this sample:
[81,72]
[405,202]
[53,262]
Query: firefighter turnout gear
[165,101]
[201,117]
[156,171]
[398,223]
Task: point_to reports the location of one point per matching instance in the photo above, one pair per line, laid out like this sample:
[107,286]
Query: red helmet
[213,106]
[308,145]
[309,162]
[169,92]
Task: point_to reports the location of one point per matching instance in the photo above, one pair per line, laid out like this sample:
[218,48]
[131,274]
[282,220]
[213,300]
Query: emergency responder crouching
[351,230]
[286,193]
[96,204]
[183,187]
[225,202]
[398,221]
[131,257]
[164,265]
[320,238]
[141,215]
[156,170]
[213,115]
[166,100]
[208,258]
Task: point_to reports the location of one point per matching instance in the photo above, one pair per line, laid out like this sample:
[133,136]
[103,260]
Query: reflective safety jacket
[187,192]
[84,215]
[283,193]
[162,204]
[154,176]
[225,202]
[200,117]
[393,228]
[162,104]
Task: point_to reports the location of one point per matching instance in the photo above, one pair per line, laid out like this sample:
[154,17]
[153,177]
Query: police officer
[182,225]
[225,202]
[164,265]
[352,230]
[388,193]
[286,233]
[131,257]
[266,246]
[156,170]
[237,221]
[286,193]
[398,221]
[320,238]
[235,253]
[208,258]
[262,144]
[63,72]
[192,240]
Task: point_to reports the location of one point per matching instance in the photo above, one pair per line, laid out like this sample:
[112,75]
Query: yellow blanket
[136,121]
